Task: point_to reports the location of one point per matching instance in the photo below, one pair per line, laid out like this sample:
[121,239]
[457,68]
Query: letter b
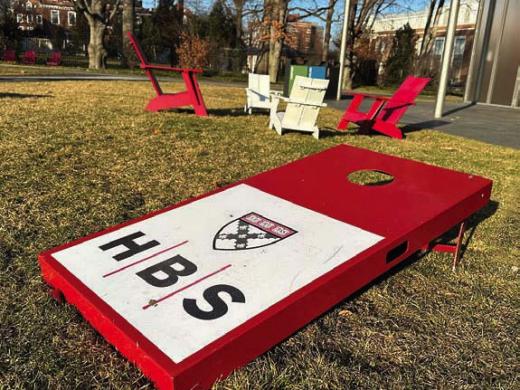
[167,267]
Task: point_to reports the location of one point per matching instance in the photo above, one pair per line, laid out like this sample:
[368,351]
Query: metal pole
[346,18]
[446,57]
[476,38]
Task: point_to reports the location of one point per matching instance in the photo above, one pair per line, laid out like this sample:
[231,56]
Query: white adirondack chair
[257,92]
[303,106]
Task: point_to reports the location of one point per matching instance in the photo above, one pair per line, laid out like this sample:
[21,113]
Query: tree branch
[113,13]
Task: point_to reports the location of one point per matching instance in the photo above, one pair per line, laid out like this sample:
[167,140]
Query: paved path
[491,124]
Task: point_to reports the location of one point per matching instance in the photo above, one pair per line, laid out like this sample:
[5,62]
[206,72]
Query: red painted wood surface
[192,96]
[385,113]
[419,205]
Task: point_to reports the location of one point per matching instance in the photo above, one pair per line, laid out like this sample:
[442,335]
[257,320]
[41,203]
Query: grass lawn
[77,157]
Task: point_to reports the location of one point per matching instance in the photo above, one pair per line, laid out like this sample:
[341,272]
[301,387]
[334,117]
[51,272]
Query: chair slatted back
[306,97]
[259,83]
[401,100]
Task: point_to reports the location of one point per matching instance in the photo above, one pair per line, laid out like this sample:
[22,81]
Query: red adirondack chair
[54,59]
[385,112]
[29,57]
[164,101]
[9,55]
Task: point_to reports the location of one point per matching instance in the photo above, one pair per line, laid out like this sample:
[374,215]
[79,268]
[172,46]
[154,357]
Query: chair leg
[388,129]
[278,128]
[343,123]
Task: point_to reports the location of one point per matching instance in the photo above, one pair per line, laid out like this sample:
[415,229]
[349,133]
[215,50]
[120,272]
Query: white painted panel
[282,248]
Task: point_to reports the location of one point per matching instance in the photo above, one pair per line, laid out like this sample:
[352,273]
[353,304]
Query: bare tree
[99,15]
[328,27]
[277,33]
[430,29]
[362,15]
[128,27]
[239,15]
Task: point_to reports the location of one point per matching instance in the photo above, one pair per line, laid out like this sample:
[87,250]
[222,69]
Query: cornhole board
[191,292]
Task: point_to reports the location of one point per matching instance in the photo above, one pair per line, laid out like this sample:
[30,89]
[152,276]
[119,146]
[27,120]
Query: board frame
[257,335]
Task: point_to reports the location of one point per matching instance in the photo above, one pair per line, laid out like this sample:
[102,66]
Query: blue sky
[403,5]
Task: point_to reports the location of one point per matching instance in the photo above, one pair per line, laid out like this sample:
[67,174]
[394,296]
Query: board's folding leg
[451,248]
[56,294]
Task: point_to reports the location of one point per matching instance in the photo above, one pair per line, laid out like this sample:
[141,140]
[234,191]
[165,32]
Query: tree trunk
[262,65]
[430,31]
[276,38]
[349,71]
[328,25]
[239,13]
[128,27]
[96,49]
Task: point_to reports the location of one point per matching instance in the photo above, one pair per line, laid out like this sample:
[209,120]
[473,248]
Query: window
[438,46]
[55,17]
[19,18]
[39,19]
[458,47]
[71,18]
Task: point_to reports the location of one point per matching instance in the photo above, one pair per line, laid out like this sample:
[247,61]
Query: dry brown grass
[77,157]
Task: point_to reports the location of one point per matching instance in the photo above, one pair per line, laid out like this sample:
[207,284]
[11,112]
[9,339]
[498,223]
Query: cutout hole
[396,252]
[370,177]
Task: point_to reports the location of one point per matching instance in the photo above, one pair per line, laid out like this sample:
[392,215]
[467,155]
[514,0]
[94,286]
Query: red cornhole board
[166,101]
[191,292]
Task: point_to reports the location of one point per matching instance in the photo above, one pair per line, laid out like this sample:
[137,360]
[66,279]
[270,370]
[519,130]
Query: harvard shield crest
[250,231]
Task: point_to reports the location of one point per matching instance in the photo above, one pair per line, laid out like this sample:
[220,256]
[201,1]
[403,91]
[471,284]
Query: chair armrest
[278,96]
[251,91]
[321,105]
[368,95]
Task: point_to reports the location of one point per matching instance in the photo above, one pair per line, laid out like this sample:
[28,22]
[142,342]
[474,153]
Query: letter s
[220,307]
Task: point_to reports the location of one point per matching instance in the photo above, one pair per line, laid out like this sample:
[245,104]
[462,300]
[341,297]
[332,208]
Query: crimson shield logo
[250,231]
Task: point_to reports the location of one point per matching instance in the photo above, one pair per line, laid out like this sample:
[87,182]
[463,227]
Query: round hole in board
[370,177]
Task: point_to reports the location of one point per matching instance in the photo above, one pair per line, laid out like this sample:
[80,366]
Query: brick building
[304,40]
[46,23]
[384,29]
[303,43]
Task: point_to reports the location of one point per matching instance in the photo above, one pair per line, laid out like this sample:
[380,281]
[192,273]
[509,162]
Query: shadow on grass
[480,216]
[20,95]
[239,111]
[329,132]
